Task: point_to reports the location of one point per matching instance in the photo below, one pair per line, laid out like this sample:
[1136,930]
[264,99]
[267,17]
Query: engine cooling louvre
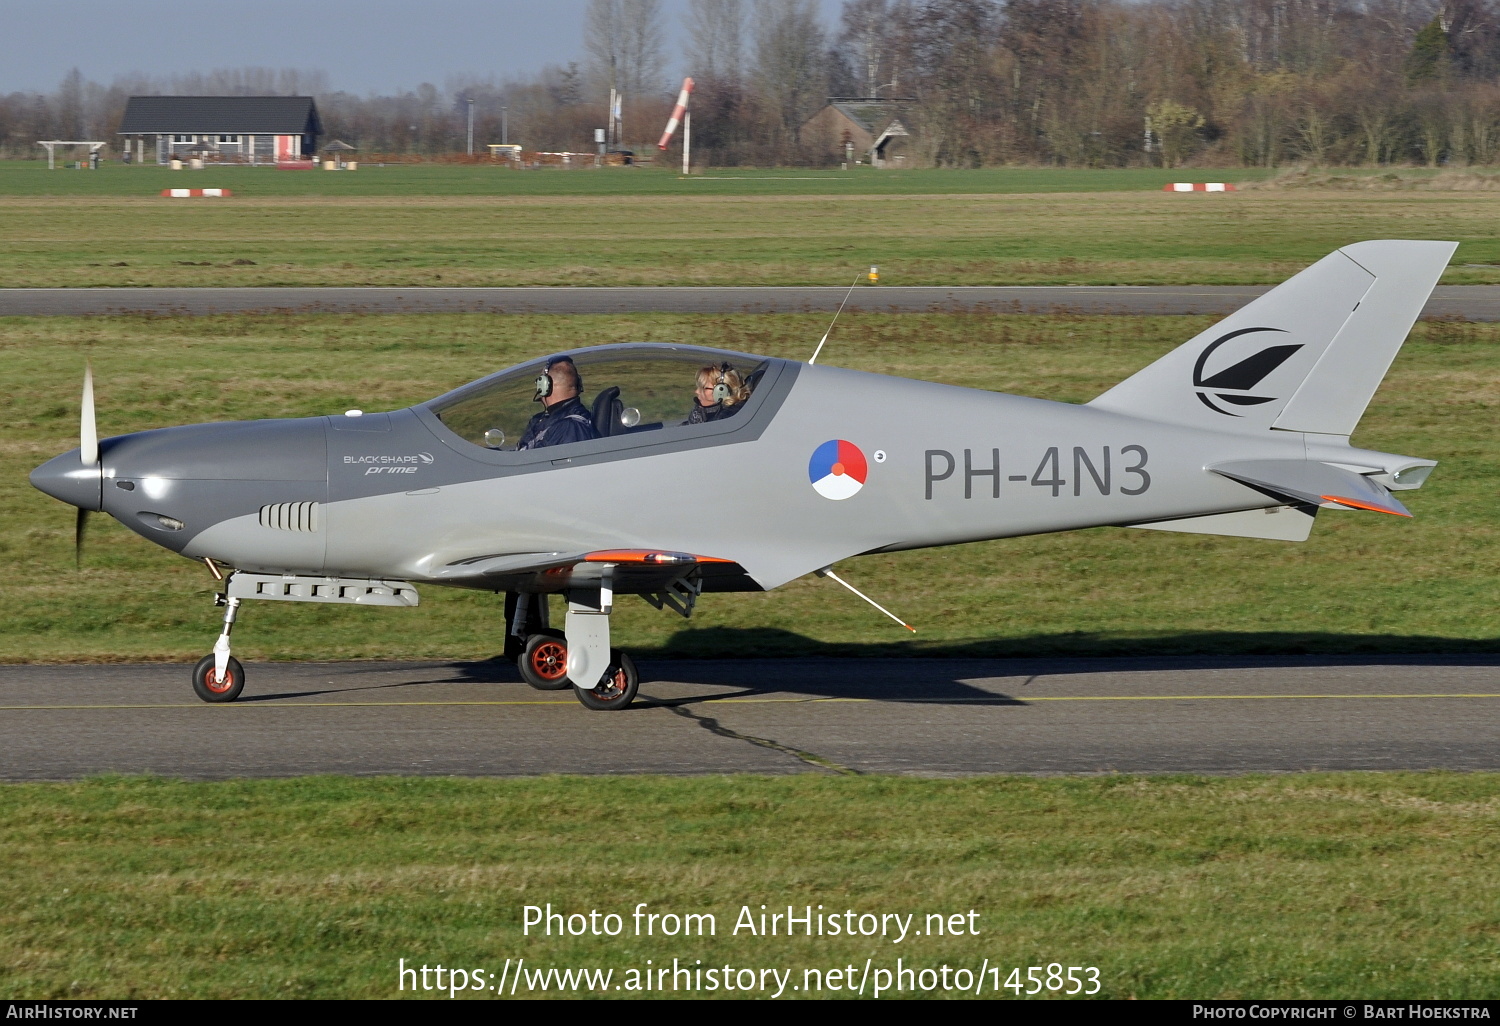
[290,516]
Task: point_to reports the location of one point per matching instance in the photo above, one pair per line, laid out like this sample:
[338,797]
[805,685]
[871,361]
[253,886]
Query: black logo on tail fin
[1240,377]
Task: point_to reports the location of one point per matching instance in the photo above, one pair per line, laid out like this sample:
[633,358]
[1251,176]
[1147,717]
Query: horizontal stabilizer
[1277,523]
[1318,484]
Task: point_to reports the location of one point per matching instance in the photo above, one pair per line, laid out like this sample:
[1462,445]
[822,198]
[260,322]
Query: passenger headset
[544,380]
[722,390]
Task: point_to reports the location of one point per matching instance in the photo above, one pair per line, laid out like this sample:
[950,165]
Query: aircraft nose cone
[65,477]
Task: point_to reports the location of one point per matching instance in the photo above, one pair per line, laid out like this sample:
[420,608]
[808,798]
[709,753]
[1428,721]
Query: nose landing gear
[219,677]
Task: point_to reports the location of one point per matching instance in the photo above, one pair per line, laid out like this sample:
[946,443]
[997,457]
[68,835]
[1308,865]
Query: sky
[379,46]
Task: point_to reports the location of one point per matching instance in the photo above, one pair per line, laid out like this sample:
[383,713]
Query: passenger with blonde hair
[720,393]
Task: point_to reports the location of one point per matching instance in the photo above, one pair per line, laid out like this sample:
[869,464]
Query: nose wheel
[213,686]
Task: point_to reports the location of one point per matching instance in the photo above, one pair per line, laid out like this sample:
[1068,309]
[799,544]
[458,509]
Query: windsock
[677,112]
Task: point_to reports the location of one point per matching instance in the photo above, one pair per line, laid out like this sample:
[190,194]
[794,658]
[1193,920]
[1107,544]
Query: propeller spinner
[79,480]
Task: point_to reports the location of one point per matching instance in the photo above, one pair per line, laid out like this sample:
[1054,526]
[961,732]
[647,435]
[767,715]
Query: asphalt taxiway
[932,717]
[1469,302]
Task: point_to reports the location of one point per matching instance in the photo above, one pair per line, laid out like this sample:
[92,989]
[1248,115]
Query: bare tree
[789,45]
[715,50]
[954,43]
[603,27]
[70,105]
[623,40]
[644,31]
[1314,133]
[877,35]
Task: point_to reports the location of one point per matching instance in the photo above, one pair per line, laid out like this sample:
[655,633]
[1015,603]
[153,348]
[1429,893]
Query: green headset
[544,381]
[722,390]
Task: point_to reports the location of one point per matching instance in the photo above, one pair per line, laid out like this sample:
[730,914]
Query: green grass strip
[1309,885]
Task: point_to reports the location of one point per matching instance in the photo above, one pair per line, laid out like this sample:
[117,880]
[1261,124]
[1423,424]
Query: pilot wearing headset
[563,418]
[719,394]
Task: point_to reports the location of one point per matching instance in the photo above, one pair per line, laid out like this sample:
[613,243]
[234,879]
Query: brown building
[872,129]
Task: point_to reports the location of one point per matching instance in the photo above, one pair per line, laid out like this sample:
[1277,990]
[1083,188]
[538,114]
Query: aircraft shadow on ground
[752,661]
[734,659]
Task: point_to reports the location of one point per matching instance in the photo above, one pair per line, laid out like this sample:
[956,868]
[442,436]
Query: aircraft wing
[1319,484]
[632,571]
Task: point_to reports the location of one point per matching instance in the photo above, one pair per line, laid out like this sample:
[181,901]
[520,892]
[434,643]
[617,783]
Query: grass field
[1327,885]
[463,225]
[1362,583]
[31,178]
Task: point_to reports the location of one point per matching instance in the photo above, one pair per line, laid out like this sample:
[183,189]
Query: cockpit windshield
[604,392]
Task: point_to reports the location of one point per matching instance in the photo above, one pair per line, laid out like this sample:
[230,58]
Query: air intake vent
[290,516]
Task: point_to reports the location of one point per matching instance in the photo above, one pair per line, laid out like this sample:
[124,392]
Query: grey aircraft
[600,473]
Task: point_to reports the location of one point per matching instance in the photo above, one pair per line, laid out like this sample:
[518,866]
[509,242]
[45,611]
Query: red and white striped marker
[1198,187]
[677,113]
[187,193]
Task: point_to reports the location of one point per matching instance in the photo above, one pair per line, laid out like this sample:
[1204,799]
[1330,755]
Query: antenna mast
[814,358]
[827,572]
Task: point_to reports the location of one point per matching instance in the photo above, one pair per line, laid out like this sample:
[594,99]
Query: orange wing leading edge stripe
[1355,503]
[648,556]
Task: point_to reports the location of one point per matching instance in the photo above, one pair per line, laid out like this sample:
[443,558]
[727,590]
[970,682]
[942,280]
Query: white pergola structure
[52,144]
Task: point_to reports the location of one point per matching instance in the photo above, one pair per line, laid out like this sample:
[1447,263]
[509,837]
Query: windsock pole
[678,112]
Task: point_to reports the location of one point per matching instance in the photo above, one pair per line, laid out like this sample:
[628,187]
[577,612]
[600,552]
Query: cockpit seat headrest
[606,412]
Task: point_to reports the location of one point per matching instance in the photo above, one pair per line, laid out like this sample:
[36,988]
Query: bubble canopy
[627,389]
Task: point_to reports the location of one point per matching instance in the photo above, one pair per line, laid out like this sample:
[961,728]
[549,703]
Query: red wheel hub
[549,660]
[612,686]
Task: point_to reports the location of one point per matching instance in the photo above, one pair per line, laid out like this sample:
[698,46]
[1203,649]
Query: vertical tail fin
[1306,356]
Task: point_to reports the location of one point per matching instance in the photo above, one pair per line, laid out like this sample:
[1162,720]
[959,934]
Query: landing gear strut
[525,615]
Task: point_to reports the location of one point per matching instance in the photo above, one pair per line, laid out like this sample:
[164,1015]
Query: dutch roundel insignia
[837,469]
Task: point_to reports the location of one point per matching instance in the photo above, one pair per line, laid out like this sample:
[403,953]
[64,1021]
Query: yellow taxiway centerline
[649,702]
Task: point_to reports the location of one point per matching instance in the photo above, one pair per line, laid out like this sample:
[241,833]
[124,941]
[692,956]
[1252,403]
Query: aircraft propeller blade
[88,431]
[80,527]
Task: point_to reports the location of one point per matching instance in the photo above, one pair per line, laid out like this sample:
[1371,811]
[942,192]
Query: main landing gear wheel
[211,688]
[544,663]
[616,689]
